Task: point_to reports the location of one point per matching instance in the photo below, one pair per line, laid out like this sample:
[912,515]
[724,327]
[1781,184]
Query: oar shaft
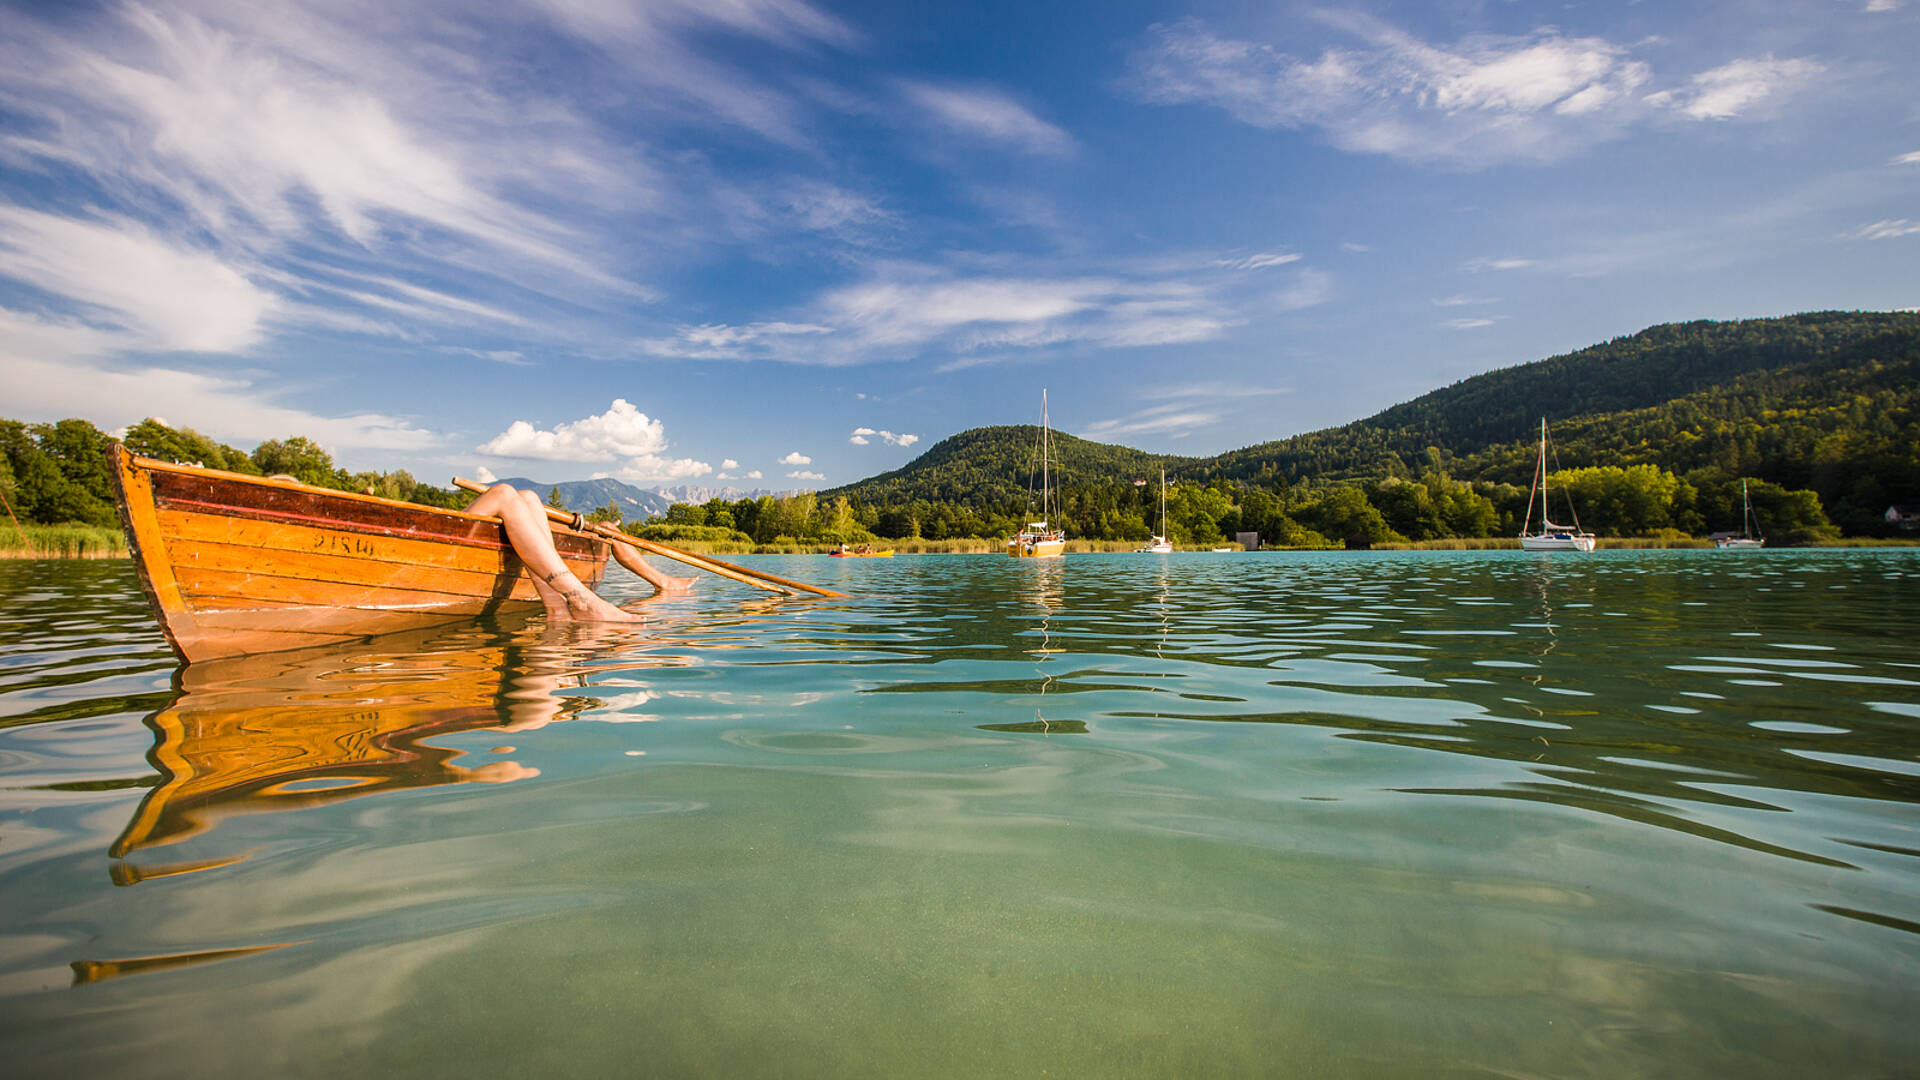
[742,574]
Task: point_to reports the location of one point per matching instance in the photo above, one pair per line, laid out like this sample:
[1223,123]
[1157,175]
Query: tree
[608,513]
[298,457]
[554,500]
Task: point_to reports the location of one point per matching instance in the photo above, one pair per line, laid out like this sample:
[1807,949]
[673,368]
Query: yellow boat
[237,564]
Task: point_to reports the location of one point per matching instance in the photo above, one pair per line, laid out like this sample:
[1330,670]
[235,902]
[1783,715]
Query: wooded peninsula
[1655,435]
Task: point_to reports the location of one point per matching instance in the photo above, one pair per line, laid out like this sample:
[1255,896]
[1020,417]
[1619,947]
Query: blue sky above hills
[786,244]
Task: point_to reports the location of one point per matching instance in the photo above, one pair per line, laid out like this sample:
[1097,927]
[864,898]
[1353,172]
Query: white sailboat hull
[1573,542]
[1739,542]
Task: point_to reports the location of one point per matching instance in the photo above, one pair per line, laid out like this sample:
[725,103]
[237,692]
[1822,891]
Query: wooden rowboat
[240,564]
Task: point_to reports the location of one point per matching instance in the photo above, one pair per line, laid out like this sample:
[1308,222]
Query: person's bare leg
[562,592]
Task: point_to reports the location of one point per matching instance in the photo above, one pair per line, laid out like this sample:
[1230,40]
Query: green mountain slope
[1642,370]
[1826,401]
[997,468]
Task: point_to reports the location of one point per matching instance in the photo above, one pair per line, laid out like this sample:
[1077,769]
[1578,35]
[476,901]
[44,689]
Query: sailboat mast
[1046,461]
[1163,502]
[1539,477]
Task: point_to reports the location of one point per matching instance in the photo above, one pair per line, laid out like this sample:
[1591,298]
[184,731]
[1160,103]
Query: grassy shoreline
[61,542]
[91,542]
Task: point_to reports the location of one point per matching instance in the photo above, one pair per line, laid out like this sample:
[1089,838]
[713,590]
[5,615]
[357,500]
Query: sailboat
[1038,540]
[1159,545]
[1551,537]
[1748,527]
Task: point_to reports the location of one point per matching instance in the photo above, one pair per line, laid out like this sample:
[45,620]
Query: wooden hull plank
[236,564]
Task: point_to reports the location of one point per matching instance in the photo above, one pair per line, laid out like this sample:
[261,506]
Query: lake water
[1343,814]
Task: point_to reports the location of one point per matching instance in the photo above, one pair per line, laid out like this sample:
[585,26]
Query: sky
[791,245]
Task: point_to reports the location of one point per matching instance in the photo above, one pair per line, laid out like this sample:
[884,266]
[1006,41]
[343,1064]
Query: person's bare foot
[584,604]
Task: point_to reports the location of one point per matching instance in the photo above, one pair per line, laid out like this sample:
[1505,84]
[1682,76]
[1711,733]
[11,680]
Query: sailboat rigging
[1038,540]
[1551,537]
[1749,528]
[1159,545]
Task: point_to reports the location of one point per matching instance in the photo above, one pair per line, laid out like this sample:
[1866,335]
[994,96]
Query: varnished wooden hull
[236,565]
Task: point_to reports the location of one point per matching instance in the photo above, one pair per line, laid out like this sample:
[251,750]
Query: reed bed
[61,542]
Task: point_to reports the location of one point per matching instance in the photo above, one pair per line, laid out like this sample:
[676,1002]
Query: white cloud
[166,295]
[1486,98]
[1467,323]
[1885,230]
[484,475]
[729,464]
[1735,88]
[864,436]
[1880,6]
[1910,158]
[1260,261]
[55,369]
[796,458]
[988,114]
[621,431]
[719,341]
[1485,263]
[1463,300]
[803,474]
[1173,419]
[754,474]
[1310,288]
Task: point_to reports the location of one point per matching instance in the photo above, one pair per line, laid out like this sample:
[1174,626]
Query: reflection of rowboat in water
[244,564]
[293,730]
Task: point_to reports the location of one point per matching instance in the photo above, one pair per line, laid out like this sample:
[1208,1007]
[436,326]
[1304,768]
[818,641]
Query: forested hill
[1643,370]
[1823,400]
[999,467]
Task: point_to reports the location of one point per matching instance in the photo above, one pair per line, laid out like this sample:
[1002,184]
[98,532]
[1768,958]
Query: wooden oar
[745,575]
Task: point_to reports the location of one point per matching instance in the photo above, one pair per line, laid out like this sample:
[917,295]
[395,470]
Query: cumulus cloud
[1483,99]
[796,458]
[804,474]
[865,435]
[754,474]
[484,475]
[622,433]
[729,464]
[987,114]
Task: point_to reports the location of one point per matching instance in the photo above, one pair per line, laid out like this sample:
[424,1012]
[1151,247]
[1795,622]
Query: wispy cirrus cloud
[1737,88]
[987,114]
[234,173]
[904,310]
[1486,98]
[1180,410]
[719,341]
[1890,229]
[1260,261]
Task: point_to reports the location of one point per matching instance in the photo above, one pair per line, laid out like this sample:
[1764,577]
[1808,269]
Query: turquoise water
[1343,814]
